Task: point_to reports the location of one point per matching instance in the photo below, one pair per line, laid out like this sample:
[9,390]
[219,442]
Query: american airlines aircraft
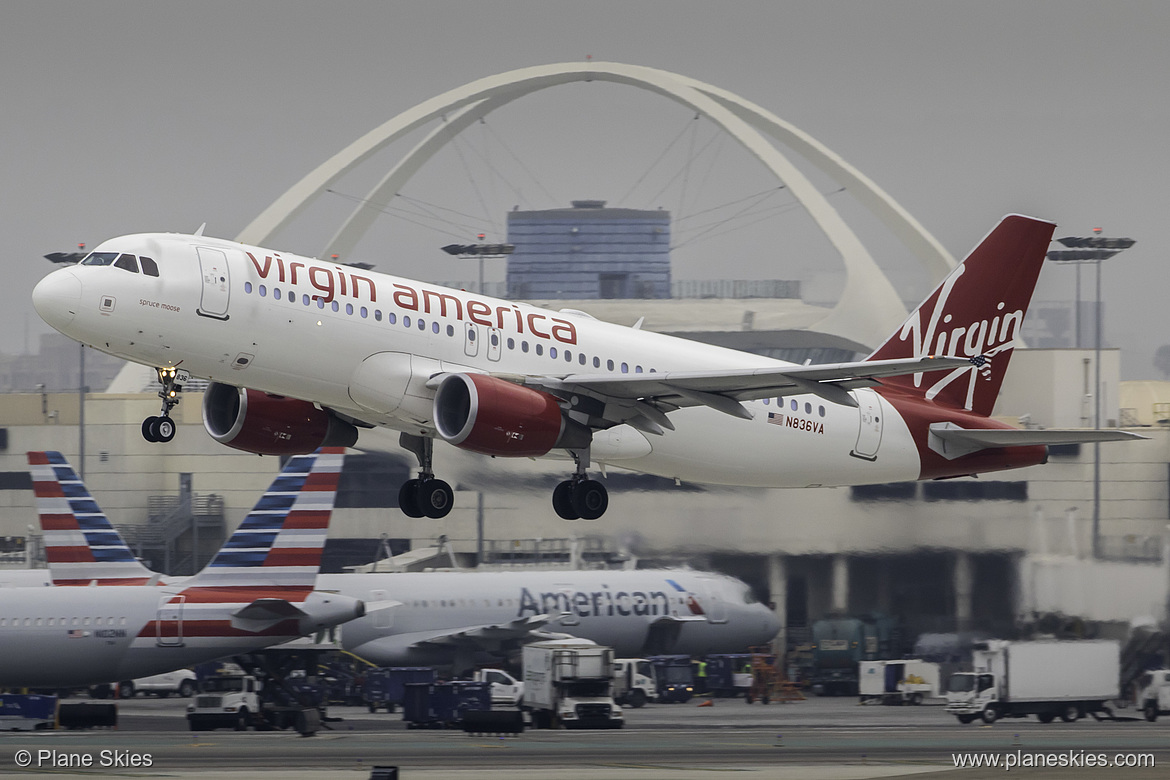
[250,596]
[302,353]
[451,619]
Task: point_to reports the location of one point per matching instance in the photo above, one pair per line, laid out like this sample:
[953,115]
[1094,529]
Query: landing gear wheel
[590,499]
[163,429]
[148,429]
[434,498]
[408,498]
[562,501]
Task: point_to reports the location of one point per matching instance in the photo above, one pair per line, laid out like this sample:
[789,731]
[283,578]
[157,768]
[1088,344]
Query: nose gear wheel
[162,428]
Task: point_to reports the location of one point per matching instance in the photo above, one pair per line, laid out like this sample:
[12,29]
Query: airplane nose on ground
[56,298]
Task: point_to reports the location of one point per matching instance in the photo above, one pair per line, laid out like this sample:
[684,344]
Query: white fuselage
[57,637]
[635,612]
[303,328]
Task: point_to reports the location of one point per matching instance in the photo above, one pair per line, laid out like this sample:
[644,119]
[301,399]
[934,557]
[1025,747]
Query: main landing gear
[580,498]
[424,496]
[162,428]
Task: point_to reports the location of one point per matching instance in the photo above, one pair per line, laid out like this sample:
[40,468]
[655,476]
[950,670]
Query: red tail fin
[977,310]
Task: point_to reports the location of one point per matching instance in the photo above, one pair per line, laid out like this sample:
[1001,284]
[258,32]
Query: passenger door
[213,267]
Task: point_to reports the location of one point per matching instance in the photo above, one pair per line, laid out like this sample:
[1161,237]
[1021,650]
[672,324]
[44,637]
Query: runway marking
[675,768]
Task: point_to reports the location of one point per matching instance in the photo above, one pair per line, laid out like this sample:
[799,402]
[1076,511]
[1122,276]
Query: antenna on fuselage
[199,232]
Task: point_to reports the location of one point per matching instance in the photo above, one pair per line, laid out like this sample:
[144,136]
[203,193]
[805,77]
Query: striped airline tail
[279,544]
[80,543]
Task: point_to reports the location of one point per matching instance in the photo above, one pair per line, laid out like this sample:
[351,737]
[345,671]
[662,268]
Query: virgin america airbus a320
[302,353]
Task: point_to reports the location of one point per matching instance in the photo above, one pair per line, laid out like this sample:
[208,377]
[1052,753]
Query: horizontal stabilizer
[265,613]
[951,441]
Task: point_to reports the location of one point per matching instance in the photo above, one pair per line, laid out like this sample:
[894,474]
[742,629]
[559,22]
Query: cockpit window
[148,266]
[100,258]
[127,263]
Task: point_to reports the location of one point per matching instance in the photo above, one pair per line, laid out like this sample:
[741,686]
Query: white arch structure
[869,307]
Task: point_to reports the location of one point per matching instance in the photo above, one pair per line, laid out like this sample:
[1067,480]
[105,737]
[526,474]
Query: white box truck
[1048,679]
[570,683]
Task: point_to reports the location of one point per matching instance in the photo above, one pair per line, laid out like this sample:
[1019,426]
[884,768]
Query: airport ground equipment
[87,716]
[386,686]
[27,711]
[240,701]
[840,643]
[905,681]
[570,684]
[444,704]
[634,682]
[1153,693]
[768,683]
[729,674]
[1047,679]
[675,678]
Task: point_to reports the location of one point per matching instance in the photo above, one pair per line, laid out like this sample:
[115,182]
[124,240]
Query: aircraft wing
[642,399]
[951,441]
[492,636]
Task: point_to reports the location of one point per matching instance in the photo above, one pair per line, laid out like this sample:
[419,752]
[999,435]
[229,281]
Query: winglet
[81,545]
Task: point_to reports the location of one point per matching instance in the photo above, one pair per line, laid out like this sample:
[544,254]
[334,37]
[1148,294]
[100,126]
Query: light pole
[480,251]
[72,258]
[1092,249]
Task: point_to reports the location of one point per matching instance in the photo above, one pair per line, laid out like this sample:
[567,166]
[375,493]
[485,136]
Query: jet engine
[253,421]
[496,417]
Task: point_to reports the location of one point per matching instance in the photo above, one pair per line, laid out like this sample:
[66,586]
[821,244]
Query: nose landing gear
[424,496]
[580,498]
[162,428]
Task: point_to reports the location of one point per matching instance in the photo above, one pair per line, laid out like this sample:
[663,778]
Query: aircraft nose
[56,298]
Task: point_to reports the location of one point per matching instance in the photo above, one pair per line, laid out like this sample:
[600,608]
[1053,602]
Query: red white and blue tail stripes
[280,542]
[80,544]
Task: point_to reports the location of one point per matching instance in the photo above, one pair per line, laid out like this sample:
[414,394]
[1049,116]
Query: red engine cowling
[496,417]
[253,421]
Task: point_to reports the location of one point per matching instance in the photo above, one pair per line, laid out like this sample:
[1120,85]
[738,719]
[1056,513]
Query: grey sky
[131,116]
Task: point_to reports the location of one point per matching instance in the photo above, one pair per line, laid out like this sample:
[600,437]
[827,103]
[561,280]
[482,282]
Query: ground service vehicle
[675,677]
[905,681]
[570,684]
[634,682]
[729,674]
[506,689]
[1044,678]
[240,701]
[181,681]
[1153,694]
[840,644]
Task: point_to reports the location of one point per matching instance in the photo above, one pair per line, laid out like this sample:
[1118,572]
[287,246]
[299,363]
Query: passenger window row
[421,323]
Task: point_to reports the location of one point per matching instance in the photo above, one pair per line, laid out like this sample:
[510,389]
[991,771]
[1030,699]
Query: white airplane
[302,352]
[459,619]
[250,596]
[444,618]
